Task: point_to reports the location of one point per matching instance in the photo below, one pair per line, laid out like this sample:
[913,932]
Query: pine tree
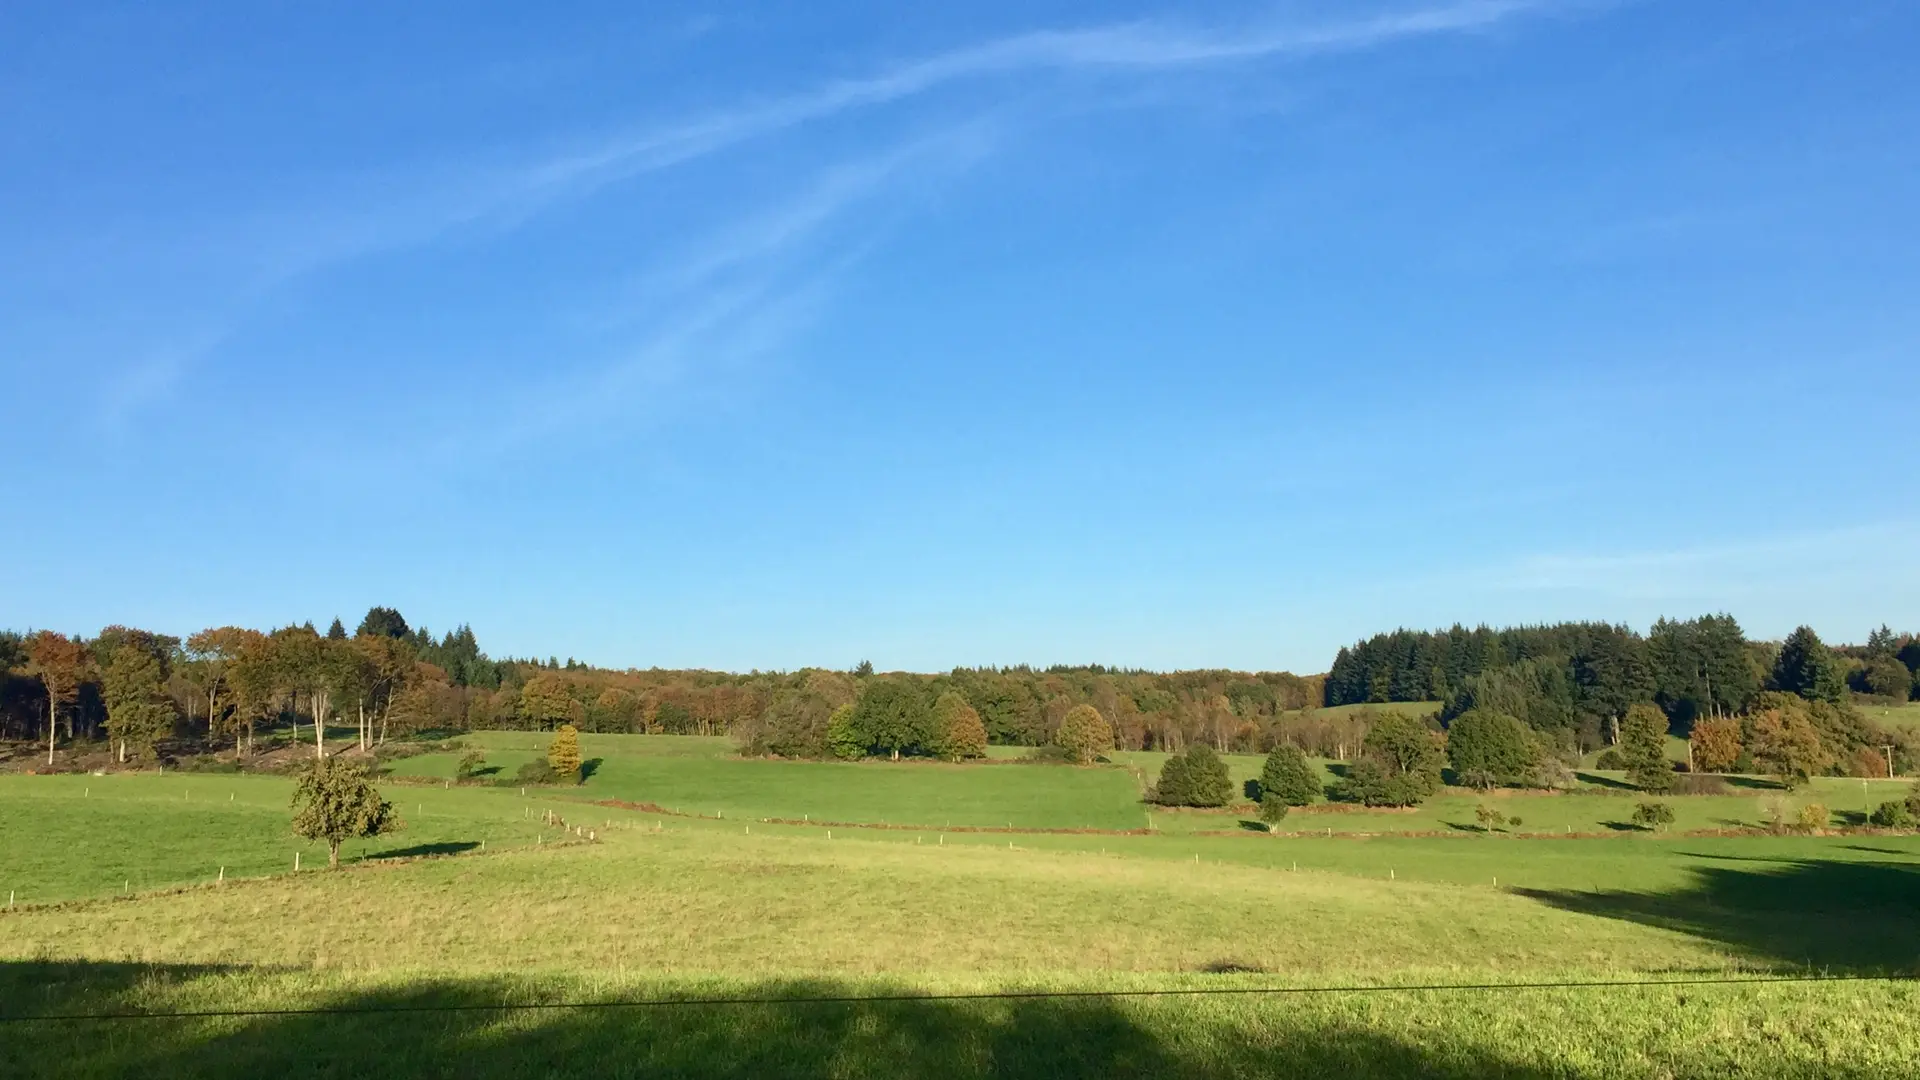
[1643,748]
[564,754]
[1289,777]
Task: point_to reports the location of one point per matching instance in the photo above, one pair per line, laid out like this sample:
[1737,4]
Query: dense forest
[139,692]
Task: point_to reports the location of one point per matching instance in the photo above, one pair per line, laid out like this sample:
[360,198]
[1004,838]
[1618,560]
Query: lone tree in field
[1489,748]
[564,754]
[1085,734]
[962,735]
[1289,777]
[1643,748]
[1653,815]
[335,802]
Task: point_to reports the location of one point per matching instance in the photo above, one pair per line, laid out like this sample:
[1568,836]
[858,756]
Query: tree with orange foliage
[1716,743]
[59,662]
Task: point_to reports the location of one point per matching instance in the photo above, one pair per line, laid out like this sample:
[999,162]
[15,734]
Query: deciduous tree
[962,735]
[133,686]
[546,702]
[563,754]
[334,801]
[1785,744]
[59,662]
[1084,734]
[1716,744]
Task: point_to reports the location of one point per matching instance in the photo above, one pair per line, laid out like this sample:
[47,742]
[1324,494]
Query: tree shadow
[588,768]
[1752,783]
[391,1032]
[1604,781]
[1254,826]
[444,847]
[1857,917]
[1625,826]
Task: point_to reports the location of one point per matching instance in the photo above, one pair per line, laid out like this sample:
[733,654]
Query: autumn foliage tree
[545,702]
[59,662]
[1785,744]
[1084,734]
[962,735]
[1716,744]
[334,802]
[563,754]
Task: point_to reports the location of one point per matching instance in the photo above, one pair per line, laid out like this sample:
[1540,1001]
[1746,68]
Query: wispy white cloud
[375,213]
[1727,569]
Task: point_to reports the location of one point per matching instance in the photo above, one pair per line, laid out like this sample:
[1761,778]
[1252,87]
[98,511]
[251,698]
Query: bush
[1700,784]
[1892,814]
[537,771]
[1488,748]
[1290,777]
[1048,755]
[1653,815]
[1814,816]
[1610,760]
[1273,809]
[470,762]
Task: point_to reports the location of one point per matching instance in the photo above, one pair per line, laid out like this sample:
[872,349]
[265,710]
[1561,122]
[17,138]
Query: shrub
[1273,810]
[1892,814]
[1290,777]
[470,762]
[537,771]
[1610,760]
[1700,784]
[1643,748]
[1086,735]
[1488,748]
[563,754]
[1813,816]
[1653,815]
[1048,755]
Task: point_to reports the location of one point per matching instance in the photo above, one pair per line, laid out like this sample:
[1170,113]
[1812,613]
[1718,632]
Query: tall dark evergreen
[1806,667]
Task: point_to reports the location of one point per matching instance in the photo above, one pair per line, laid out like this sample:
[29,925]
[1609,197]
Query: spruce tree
[564,754]
[1806,667]
[1643,748]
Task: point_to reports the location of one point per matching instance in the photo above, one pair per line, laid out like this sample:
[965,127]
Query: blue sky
[1210,334]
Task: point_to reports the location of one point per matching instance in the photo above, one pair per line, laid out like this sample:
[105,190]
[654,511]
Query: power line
[1013,995]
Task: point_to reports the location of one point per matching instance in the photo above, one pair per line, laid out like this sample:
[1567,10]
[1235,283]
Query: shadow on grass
[1057,1039]
[1625,826]
[1752,783]
[588,768]
[1843,916]
[1604,781]
[444,847]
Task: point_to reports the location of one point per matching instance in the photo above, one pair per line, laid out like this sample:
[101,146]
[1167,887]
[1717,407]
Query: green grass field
[672,907]
[1897,716]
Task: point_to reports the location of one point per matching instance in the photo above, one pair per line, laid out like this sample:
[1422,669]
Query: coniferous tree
[1807,668]
[133,687]
[1643,748]
[1288,776]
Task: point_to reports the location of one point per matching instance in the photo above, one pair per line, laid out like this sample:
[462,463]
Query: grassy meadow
[725,905]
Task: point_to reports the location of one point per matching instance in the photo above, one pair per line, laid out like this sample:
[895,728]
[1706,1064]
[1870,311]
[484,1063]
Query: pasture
[726,905]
